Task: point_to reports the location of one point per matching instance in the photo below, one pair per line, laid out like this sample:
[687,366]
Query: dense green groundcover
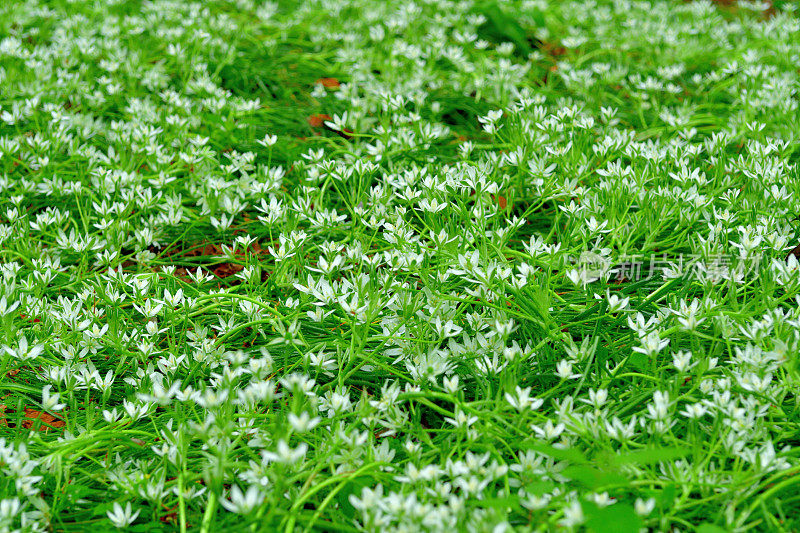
[419,265]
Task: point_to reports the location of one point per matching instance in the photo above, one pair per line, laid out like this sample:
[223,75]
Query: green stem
[209,513]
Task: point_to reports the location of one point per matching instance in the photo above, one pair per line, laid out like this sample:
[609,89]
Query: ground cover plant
[437,265]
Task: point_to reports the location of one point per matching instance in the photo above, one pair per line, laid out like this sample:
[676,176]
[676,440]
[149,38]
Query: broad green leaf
[649,456]
[710,528]
[615,518]
[593,477]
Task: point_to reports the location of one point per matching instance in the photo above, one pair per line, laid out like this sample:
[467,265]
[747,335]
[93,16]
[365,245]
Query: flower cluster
[314,266]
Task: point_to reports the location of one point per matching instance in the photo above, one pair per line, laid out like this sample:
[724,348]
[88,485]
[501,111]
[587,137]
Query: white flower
[122,517]
[268,140]
[303,422]
[564,370]
[243,503]
[5,308]
[694,410]
[597,398]
[549,431]
[50,401]
[24,352]
[652,343]
[682,361]
[644,507]
[490,120]
[659,409]
[451,384]
[615,303]
[461,419]
[284,454]
[573,515]
[534,503]
[603,499]
[522,399]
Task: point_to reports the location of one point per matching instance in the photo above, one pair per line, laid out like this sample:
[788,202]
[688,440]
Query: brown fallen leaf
[48,420]
[795,252]
[554,50]
[227,269]
[316,121]
[171,517]
[207,250]
[328,82]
